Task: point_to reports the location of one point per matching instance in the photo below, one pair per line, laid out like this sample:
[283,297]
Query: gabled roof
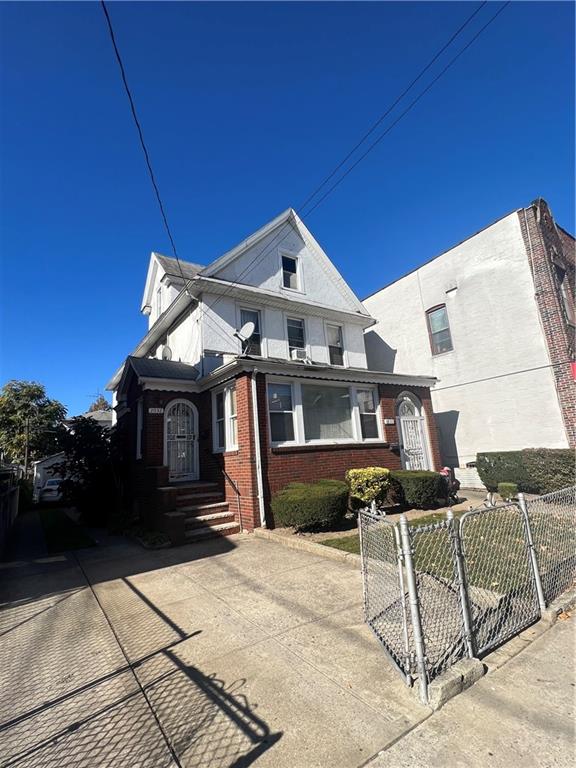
[169,267]
[289,216]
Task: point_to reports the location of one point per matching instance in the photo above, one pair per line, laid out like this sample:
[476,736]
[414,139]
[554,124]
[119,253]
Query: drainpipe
[257,450]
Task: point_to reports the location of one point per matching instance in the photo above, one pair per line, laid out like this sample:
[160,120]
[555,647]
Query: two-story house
[493,319]
[253,374]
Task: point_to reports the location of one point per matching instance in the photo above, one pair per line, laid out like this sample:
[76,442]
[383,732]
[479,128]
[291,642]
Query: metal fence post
[363,565]
[533,558]
[414,609]
[462,584]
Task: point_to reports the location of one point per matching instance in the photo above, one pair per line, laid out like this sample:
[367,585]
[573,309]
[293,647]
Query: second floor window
[290,272]
[253,345]
[335,344]
[439,330]
[296,338]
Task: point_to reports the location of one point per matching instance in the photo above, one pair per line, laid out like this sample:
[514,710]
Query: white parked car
[50,491]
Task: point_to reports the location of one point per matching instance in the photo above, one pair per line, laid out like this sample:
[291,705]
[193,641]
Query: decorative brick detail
[546,246]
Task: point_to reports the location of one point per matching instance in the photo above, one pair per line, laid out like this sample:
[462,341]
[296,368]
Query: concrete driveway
[229,653]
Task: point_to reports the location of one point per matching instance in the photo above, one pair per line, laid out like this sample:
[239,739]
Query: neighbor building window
[368,414]
[439,330]
[565,294]
[281,410]
[296,338]
[225,428]
[290,272]
[327,413]
[335,344]
[253,345]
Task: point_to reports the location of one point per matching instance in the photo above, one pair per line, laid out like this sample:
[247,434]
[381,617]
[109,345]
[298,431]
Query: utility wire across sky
[301,209]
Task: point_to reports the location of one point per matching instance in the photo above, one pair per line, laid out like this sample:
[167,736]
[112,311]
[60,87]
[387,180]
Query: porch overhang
[311,371]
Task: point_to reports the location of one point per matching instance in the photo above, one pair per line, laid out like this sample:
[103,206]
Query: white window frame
[291,316]
[229,443]
[298,412]
[260,311]
[344,346]
[299,276]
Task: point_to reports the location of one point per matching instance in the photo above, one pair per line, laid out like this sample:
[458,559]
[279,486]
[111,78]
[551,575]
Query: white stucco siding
[487,287]
[260,266]
[184,340]
[221,317]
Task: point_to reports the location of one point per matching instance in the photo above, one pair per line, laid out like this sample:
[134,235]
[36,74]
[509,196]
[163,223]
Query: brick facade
[236,471]
[548,248]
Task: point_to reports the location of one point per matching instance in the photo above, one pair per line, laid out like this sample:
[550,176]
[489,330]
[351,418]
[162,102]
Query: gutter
[257,450]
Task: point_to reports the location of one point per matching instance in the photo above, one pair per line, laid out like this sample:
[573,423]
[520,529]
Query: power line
[501,376]
[268,248]
[391,107]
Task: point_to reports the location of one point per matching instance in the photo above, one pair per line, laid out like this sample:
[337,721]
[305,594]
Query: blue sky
[246,107]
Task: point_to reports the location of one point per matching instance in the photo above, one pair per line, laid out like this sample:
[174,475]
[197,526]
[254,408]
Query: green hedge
[507,491]
[534,470]
[310,506]
[420,488]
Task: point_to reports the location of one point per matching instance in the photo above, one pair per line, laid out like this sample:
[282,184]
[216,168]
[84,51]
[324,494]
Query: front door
[181,441]
[411,429]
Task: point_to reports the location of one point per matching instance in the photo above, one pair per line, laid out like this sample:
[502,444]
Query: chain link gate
[435,594]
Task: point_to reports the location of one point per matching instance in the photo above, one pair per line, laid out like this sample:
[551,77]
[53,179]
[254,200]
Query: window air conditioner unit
[299,354]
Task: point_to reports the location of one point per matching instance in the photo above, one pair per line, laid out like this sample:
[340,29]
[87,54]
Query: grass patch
[346,543]
[61,533]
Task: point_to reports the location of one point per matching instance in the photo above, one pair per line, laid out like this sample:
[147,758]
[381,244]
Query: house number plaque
[155,410]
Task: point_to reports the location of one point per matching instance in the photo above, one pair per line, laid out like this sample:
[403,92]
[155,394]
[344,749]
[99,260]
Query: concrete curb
[466,672]
[350,558]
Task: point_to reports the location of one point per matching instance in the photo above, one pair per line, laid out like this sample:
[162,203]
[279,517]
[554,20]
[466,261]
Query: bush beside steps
[311,506]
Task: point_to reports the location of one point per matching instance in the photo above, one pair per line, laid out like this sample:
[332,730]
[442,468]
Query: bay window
[281,410]
[224,419]
[327,413]
[302,412]
[368,414]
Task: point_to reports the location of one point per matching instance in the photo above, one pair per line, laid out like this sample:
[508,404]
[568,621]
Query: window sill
[442,354]
[311,447]
[224,451]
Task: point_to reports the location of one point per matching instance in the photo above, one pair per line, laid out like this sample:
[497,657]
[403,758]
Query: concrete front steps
[204,510]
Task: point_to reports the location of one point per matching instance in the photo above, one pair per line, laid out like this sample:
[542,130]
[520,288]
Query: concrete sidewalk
[519,716]
[240,651]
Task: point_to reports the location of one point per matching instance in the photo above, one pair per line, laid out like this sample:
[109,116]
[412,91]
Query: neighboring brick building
[253,374]
[493,319]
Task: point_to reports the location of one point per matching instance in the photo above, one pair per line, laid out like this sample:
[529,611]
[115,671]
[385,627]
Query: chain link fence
[434,594]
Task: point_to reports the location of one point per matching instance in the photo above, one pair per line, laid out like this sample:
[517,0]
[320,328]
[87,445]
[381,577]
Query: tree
[91,459]
[100,404]
[30,422]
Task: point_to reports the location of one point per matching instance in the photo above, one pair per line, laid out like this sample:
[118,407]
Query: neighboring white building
[493,320]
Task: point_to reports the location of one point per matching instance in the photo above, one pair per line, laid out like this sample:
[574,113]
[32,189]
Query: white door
[411,431]
[181,441]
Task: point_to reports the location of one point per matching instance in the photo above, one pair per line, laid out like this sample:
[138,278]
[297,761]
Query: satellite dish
[246,331]
[166,352]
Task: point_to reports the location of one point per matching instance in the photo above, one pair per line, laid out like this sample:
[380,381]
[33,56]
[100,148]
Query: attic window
[290,272]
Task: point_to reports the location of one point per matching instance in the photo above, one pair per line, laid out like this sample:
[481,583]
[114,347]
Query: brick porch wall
[545,242]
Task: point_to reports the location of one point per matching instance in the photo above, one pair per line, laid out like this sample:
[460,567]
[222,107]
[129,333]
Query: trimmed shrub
[311,506]
[421,488]
[534,470]
[507,491]
[369,484]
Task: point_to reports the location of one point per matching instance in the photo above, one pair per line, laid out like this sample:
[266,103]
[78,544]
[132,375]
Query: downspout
[257,450]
